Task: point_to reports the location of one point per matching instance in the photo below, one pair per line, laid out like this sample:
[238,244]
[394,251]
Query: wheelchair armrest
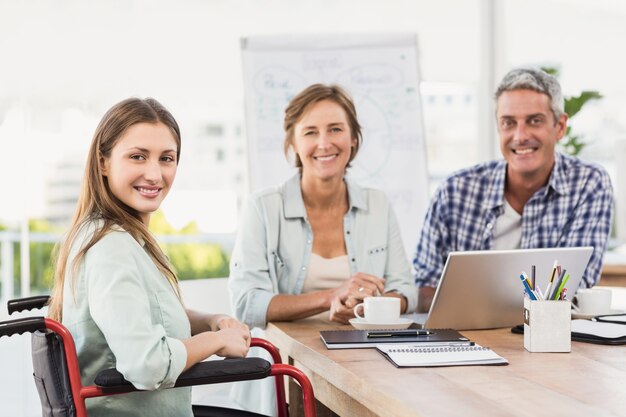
[210,372]
[28,303]
[19,326]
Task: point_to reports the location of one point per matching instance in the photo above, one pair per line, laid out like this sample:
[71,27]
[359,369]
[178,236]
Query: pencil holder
[547,326]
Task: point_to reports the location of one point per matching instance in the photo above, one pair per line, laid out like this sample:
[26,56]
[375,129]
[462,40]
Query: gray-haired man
[534,198]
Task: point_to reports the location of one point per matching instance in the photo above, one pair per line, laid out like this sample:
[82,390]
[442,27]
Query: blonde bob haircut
[98,205]
[302,102]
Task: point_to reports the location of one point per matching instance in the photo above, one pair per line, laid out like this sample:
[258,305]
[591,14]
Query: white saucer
[361,324]
[576,315]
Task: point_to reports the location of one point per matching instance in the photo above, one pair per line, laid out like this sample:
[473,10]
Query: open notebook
[411,355]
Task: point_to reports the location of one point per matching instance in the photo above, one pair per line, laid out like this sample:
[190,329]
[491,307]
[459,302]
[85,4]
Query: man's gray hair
[535,80]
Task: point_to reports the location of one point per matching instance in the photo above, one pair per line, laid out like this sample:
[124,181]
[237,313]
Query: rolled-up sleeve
[398,268]
[250,284]
[120,306]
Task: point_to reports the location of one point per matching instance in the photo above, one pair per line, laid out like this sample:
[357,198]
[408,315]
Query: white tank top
[324,273]
[508,231]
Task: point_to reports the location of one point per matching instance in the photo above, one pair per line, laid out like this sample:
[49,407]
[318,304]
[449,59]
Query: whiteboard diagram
[380,72]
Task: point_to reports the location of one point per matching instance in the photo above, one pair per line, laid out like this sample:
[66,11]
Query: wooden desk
[589,381]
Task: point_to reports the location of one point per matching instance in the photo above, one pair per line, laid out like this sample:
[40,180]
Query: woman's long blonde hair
[97,203]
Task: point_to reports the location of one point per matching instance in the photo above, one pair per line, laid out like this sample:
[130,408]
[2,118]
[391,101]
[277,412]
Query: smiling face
[323,141]
[528,134]
[141,167]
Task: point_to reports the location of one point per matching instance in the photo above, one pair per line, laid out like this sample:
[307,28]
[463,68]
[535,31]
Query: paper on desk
[596,328]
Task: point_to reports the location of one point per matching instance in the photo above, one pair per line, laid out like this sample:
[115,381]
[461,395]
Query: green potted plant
[571,143]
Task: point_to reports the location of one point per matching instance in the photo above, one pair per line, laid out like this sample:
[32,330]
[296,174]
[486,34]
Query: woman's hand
[222,321]
[203,322]
[359,286]
[339,312]
[235,342]
[352,292]
[231,331]
[222,335]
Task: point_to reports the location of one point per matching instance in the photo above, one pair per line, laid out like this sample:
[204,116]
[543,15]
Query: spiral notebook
[412,355]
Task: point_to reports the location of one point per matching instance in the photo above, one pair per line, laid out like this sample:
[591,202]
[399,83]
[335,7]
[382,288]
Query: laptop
[482,289]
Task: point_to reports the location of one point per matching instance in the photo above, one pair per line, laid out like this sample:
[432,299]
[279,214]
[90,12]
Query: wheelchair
[56,368]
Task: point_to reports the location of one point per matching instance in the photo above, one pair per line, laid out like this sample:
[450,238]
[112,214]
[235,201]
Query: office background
[64,62]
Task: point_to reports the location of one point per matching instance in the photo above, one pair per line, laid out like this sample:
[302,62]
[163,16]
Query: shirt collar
[293,204]
[558,178]
[117,228]
[495,190]
[557,182]
[356,195]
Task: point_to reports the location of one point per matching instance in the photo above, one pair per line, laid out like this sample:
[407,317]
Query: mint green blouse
[124,314]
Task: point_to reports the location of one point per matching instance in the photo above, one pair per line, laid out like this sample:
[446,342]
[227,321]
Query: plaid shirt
[574,209]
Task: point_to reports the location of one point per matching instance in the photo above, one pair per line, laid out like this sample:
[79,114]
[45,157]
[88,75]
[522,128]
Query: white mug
[592,301]
[383,310]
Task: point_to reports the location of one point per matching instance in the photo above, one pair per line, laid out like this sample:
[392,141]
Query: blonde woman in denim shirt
[319,242]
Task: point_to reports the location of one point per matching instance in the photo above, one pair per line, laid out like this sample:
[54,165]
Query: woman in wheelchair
[115,289]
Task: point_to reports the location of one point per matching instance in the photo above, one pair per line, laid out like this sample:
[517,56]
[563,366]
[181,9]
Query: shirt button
[308,241]
[352,259]
[347,231]
[489,226]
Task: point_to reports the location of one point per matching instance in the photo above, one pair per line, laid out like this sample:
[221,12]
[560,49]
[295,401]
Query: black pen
[399,333]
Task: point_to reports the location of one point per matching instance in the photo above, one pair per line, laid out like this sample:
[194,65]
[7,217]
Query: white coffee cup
[592,301]
[384,310]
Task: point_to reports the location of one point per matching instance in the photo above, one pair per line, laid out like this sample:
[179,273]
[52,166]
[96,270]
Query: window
[59,85]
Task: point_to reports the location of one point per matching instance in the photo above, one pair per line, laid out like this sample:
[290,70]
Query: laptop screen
[482,289]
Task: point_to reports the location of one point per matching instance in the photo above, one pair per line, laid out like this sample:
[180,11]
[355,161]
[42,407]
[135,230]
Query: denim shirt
[275,241]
